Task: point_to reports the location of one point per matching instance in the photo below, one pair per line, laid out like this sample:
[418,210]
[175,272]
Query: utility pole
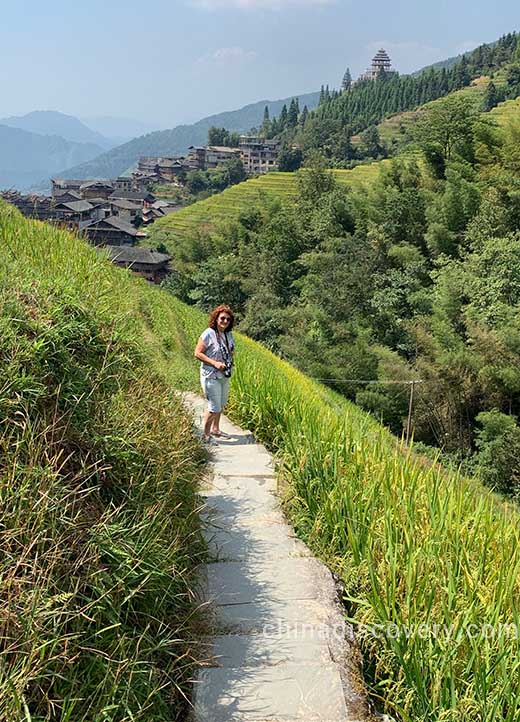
[410,410]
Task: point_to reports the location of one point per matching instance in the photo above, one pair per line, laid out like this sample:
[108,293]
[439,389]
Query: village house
[113,231]
[210,156]
[149,264]
[124,183]
[67,196]
[75,213]
[96,189]
[60,185]
[160,169]
[259,155]
[126,210]
[31,206]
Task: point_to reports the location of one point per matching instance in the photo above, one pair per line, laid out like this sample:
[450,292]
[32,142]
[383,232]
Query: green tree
[498,447]
[371,142]
[292,115]
[290,159]
[346,83]
[283,118]
[266,123]
[491,97]
[446,130]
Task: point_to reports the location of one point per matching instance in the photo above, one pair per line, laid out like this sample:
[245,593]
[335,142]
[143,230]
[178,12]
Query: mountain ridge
[178,139]
[28,158]
[54,122]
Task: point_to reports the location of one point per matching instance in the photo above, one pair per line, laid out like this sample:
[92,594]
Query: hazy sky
[173,61]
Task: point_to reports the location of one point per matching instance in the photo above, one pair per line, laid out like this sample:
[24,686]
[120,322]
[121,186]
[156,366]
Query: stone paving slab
[270,617]
[240,486]
[254,541]
[239,459]
[235,650]
[283,692]
[224,514]
[267,582]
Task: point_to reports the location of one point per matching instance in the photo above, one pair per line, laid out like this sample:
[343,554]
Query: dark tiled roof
[76,206]
[133,254]
[67,192]
[130,195]
[91,183]
[126,205]
[157,212]
[68,181]
[116,223]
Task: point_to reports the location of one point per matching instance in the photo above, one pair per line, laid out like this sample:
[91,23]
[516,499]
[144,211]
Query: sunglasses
[224,318]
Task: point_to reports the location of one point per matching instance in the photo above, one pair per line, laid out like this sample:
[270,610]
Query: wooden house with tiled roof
[146,262]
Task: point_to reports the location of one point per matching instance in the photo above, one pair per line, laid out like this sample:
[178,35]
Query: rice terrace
[339,540]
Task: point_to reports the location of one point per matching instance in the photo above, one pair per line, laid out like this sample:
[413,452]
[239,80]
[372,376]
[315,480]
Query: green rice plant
[99,469]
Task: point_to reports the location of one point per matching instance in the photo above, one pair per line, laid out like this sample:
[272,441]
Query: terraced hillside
[505,112]
[395,131]
[99,536]
[229,204]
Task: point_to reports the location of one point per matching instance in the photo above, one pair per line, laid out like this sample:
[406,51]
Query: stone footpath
[278,651]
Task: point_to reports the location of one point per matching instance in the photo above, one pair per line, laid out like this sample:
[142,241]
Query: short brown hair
[223,308]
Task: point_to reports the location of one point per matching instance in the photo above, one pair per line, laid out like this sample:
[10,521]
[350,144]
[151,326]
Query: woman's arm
[201,356]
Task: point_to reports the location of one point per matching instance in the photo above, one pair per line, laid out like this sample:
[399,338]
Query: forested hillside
[410,278]
[359,108]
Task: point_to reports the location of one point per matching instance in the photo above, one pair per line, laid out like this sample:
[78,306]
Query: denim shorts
[216,392]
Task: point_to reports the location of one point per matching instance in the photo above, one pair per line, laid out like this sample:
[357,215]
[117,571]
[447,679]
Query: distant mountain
[447,64]
[179,139]
[118,129]
[51,122]
[28,158]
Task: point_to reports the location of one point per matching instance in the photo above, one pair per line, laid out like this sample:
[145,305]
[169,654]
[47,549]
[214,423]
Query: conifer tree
[491,97]
[292,116]
[282,120]
[266,124]
[346,83]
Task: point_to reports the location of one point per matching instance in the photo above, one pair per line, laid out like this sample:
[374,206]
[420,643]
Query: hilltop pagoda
[381,63]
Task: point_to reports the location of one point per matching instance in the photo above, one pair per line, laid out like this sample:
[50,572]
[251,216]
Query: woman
[215,349]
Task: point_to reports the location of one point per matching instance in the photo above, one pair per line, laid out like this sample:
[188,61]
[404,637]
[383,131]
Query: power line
[369,381]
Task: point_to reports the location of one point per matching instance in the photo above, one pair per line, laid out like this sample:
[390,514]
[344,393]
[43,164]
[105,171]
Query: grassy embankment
[98,477]
[430,561]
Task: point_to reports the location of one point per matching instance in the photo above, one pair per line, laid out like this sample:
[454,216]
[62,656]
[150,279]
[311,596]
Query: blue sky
[175,61]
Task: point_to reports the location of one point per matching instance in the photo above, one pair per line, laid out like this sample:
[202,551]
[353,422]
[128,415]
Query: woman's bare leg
[216,422]
[208,422]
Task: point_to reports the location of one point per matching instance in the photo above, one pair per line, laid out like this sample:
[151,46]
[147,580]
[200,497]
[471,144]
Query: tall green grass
[430,560]
[99,534]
